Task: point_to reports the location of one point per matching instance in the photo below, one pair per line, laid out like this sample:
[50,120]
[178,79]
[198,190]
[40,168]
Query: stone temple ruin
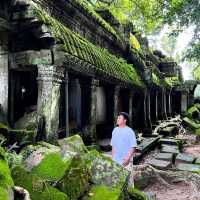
[73,69]
[68,70]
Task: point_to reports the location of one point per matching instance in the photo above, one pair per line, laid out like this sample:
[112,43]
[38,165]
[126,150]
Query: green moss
[101,192]
[37,187]
[78,46]
[136,194]
[97,17]
[51,168]
[76,179]
[191,110]
[2,153]
[105,170]
[5,176]
[156,79]
[172,81]
[3,194]
[73,143]
[195,126]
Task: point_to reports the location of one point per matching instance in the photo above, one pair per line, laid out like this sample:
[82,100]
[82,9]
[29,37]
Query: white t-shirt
[122,139]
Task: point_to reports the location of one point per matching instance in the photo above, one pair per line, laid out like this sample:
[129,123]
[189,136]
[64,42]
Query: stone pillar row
[49,82]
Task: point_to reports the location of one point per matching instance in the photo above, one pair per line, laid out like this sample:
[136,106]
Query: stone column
[116,102]
[164,103]
[3,78]
[169,101]
[131,109]
[149,108]
[49,82]
[67,103]
[93,110]
[145,108]
[156,106]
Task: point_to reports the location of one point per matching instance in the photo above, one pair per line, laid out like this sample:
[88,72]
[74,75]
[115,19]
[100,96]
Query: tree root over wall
[145,175]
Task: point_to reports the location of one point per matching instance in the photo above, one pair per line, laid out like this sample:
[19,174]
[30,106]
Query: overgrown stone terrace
[67,70]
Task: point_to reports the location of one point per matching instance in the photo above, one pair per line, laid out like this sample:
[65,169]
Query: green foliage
[196,73]
[145,15]
[183,14]
[76,45]
[90,10]
[134,42]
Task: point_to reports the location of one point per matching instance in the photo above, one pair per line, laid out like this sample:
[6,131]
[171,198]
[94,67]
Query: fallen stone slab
[192,124]
[169,149]
[184,158]
[169,146]
[197,161]
[147,144]
[188,167]
[160,164]
[168,131]
[164,156]
[168,141]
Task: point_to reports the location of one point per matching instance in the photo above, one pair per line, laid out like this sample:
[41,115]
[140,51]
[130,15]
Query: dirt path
[178,191]
[193,150]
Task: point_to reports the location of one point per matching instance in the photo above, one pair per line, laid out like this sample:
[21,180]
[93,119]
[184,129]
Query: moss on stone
[27,122]
[76,180]
[101,192]
[156,80]
[78,46]
[89,10]
[172,81]
[73,143]
[51,168]
[105,171]
[5,176]
[3,194]
[136,194]
[38,188]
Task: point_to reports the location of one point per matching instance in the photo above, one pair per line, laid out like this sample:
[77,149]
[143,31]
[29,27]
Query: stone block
[188,167]
[160,164]
[164,156]
[184,158]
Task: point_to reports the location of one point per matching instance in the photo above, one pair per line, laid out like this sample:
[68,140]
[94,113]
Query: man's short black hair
[125,115]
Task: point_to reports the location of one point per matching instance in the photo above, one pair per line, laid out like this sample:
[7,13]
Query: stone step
[160,164]
[169,149]
[147,144]
[169,146]
[168,141]
[188,167]
[184,158]
[165,156]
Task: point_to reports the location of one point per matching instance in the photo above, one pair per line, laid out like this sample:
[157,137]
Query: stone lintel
[50,73]
[30,57]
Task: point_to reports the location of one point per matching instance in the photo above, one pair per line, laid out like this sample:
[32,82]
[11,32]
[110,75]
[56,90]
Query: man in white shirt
[123,141]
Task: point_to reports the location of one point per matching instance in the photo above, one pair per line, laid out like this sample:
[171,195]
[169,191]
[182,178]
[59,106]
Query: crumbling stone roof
[81,48]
